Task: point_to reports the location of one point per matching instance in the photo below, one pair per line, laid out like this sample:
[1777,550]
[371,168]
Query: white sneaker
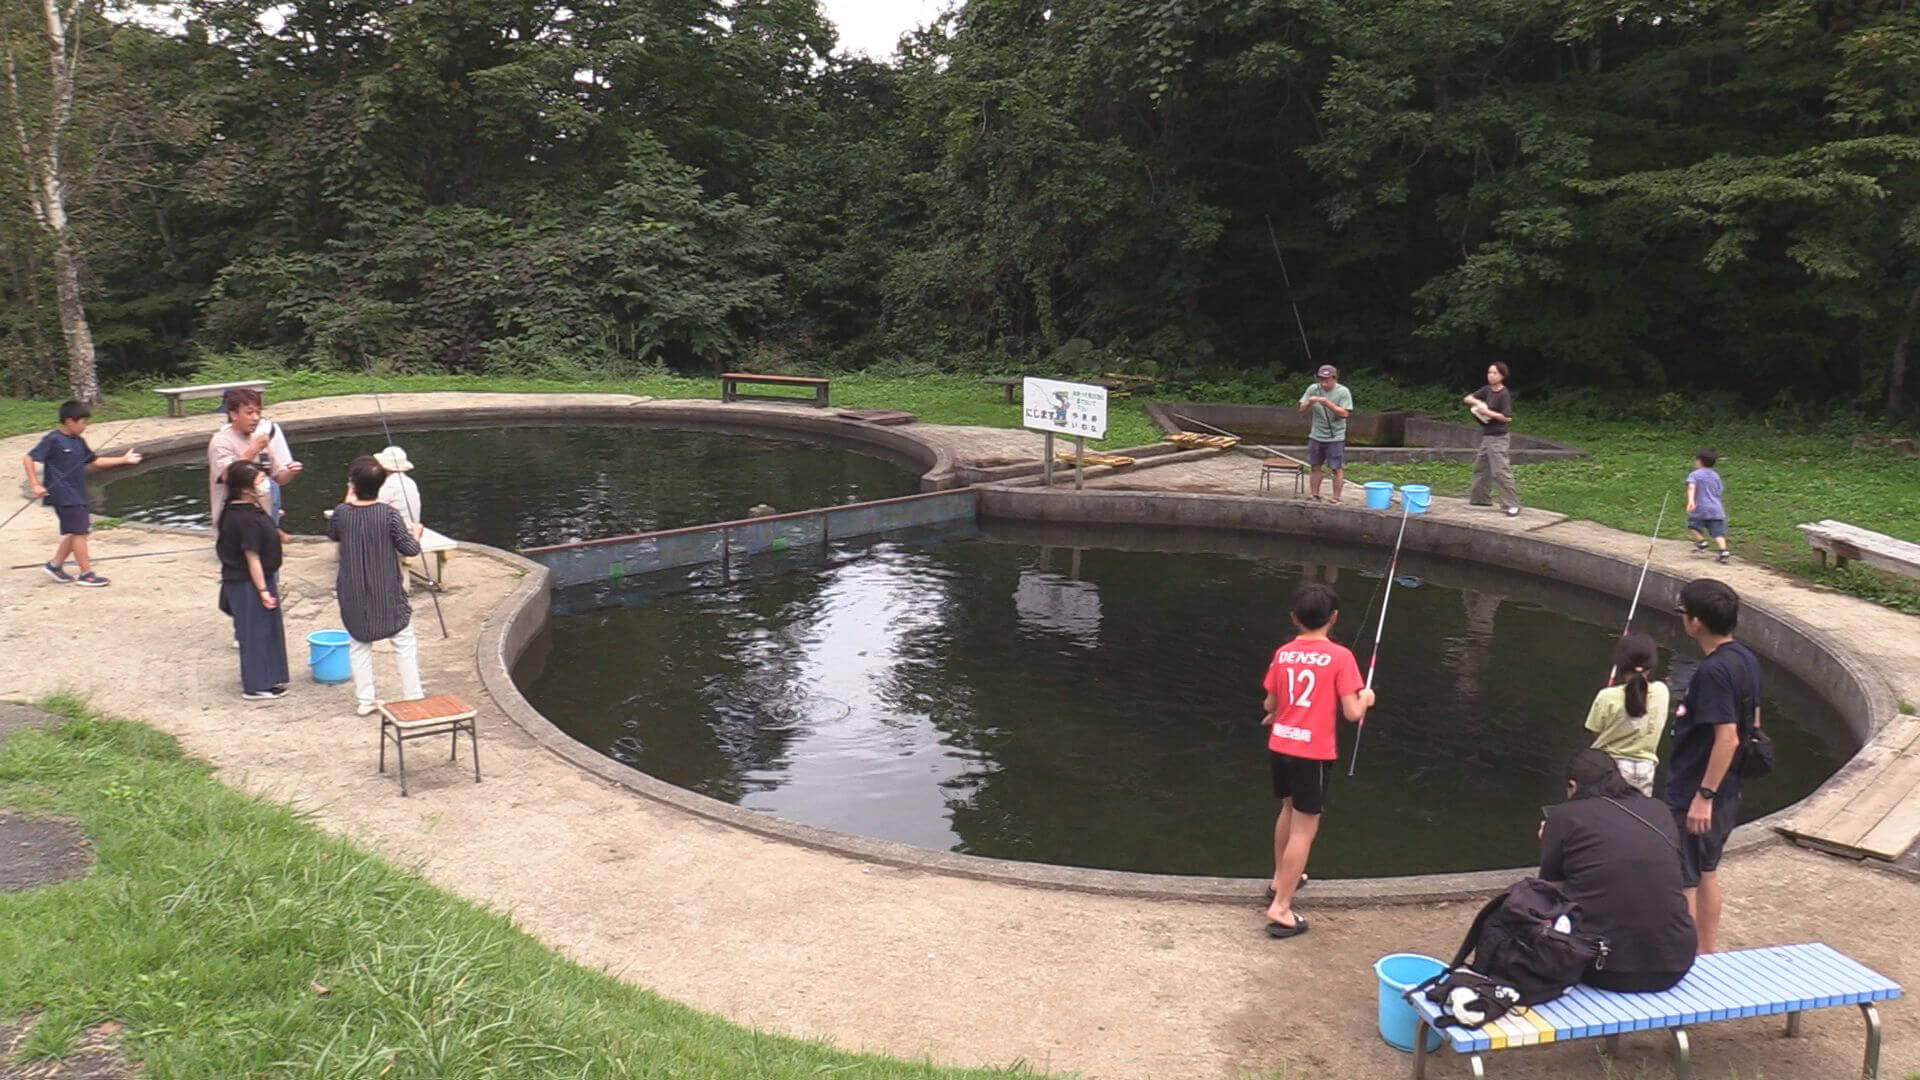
[366,710]
[265,695]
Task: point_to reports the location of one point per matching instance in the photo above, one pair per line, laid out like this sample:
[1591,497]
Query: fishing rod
[1386,598]
[433,587]
[1297,322]
[1223,431]
[30,499]
[111,558]
[1635,606]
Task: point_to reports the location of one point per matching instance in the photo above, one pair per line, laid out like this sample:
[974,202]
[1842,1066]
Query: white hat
[394,459]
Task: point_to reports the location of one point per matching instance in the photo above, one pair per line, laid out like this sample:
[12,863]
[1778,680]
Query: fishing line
[1297,322]
[1385,599]
[1231,435]
[433,587]
[1635,606]
[111,558]
[83,465]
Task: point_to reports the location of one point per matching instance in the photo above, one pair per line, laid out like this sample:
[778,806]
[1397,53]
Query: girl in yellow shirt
[1627,719]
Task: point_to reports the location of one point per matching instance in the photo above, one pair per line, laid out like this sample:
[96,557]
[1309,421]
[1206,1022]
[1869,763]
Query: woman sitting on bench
[1616,854]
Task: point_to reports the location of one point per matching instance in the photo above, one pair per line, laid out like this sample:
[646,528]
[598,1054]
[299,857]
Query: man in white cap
[399,491]
[1327,438]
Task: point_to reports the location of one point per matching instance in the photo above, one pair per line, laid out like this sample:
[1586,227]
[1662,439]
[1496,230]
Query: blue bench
[1786,979]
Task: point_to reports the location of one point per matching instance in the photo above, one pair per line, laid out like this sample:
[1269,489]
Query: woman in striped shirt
[373,598]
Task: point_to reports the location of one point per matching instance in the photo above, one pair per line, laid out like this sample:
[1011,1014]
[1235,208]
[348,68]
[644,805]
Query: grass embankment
[212,920]
[1776,478]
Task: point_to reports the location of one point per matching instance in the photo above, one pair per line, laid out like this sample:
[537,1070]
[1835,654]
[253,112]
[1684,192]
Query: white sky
[874,27]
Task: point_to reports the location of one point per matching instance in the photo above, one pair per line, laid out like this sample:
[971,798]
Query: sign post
[1064,408]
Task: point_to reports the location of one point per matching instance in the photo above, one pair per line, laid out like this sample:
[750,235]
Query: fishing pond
[529,485]
[1091,697]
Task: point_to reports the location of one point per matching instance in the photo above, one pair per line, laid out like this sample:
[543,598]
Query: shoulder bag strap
[1655,829]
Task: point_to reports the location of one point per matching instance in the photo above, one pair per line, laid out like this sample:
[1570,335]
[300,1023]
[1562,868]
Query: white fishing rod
[1635,606]
[433,587]
[1373,661]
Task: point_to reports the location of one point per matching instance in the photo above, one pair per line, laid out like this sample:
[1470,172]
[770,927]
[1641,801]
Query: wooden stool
[420,718]
[1283,465]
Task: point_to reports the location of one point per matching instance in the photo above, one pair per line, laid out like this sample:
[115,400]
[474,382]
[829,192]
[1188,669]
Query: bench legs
[1871,1067]
[1419,1047]
[1682,1055]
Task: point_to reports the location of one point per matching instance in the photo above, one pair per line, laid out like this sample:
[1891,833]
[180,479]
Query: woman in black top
[249,550]
[1617,854]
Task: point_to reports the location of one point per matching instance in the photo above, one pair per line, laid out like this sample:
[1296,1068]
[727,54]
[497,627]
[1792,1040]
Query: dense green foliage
[1720,196]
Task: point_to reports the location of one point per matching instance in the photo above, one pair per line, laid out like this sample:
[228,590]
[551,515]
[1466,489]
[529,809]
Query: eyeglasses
[1681,611]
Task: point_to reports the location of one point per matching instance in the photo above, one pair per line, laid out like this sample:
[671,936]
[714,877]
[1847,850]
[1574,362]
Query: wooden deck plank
[1897,831]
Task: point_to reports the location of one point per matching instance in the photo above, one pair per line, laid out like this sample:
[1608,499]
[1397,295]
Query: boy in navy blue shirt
[64,456]
[1706,514]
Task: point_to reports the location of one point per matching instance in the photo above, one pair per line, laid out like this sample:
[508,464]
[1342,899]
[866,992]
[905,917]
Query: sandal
[1280,931]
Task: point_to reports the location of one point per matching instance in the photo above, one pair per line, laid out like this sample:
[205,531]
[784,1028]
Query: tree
[46,183]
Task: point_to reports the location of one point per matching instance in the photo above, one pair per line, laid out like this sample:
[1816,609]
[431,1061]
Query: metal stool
[1283,465]
[420,718]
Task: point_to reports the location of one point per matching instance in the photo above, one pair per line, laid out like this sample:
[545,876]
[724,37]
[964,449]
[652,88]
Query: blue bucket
[1379,494]
[327,656]
[1416,497]
[1398,973]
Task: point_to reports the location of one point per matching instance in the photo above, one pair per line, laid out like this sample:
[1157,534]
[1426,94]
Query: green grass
[210,917]
[1776,478]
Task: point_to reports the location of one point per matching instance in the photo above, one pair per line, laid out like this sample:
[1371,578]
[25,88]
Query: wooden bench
[177,395]
[730,387]
[436,545]
[1844,542]
[1790,979]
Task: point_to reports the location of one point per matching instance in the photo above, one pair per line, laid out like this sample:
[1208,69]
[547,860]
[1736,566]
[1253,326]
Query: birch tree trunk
[47,191]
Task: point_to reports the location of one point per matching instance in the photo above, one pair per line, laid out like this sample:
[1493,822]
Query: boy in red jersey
[1306,677]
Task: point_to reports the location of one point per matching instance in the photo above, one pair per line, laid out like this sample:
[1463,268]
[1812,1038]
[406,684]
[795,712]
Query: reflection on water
[1059,697]
[516,487]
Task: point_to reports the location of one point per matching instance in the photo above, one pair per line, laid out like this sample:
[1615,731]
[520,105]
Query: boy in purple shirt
[1706,515]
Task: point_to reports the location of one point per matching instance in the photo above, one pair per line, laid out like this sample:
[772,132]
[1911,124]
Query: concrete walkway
[802,942]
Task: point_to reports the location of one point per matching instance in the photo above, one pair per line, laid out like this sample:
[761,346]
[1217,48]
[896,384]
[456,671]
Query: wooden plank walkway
[1873,808]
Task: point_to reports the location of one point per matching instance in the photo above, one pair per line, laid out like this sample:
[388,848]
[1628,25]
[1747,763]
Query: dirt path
[807,943]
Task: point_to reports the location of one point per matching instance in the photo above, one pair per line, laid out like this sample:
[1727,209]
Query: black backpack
[1514,942]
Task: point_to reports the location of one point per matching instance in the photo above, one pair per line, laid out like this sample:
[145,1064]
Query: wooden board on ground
[1116,461]
[883,417]
[1193,440]
[1879,813]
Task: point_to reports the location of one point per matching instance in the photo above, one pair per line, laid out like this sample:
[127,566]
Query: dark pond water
[516,487]
[1098,705]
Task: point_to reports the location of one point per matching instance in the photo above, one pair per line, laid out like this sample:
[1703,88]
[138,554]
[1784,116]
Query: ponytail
[1637,695]
[1634,657]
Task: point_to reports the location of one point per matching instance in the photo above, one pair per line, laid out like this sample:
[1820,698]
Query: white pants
[406,649]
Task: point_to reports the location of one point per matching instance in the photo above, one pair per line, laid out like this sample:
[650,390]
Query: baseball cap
[1327,371]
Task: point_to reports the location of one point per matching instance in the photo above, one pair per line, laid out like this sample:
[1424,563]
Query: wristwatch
[1709,794]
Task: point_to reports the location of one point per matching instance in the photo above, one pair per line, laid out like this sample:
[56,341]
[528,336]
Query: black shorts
[1701,854]
[74,520]
[1303,781]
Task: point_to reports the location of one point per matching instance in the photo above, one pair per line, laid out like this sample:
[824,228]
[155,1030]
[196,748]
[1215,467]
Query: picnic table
[177,396]
[1116,385]
[1878,550]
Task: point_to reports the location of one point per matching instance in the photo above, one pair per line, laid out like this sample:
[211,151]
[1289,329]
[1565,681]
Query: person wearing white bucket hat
[399,491]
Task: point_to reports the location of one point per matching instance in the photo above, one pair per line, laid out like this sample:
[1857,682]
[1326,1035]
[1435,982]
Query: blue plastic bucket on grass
[327,656]
[1379,494]
[1398,973]
[1416,497]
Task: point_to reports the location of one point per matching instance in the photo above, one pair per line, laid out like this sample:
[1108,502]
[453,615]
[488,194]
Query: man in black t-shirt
[1703,785]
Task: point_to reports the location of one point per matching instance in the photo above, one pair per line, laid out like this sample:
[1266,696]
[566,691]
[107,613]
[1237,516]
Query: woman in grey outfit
[249,550]
[373,598]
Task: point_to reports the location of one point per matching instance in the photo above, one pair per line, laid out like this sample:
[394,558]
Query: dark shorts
[1303,781]
[1701,854]
[1331,454]
[74,520]
[1710,526]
